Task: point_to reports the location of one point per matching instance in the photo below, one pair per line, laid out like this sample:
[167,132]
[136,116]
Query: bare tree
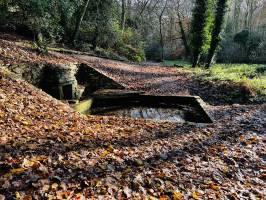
[182,29]
[161,29]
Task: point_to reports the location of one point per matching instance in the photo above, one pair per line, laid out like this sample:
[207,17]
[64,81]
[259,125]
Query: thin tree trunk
[129,7]
[161,31]
[79,21]
[144,7]
[63,20]
[183,35]
[196,58]
[96,34]
[161,40]
[210,55]
[123,15]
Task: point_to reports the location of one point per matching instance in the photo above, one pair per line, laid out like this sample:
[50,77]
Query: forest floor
[47,151]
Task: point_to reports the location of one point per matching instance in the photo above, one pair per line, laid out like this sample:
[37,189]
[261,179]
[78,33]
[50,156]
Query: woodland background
[138,30]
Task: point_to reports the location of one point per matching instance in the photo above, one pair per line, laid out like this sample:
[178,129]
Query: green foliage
[132,45]
[172,63]
[253,76]
[247,47]
[38,16]
[207,36]
[56,20]
[134,54]
[201,25]
[242,37]
[198,24]
[153,51]
[3,10]
[100,19]
[131,37]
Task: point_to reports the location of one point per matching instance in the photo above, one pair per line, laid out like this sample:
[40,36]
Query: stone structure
[60,81]
[32,73]
[138,105]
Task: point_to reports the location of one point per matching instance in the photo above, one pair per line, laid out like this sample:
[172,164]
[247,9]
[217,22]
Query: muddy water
[156,114]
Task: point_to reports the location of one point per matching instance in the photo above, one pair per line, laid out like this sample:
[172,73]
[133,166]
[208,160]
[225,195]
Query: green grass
[244,73]
[247,74]
[176,62]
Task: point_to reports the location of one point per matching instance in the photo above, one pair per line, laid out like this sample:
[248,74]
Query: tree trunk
[210,55]
[95,38]
[218,23]
[123,15]
[63,20]
[144,7]
[129,7]
[196,58]
[161,31]
[96,34]
[79,21]
[161,40]
[183,35]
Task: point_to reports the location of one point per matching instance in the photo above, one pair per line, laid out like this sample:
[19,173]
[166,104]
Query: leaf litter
[47,151]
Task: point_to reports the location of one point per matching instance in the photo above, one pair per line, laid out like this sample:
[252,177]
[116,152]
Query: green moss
[83,106]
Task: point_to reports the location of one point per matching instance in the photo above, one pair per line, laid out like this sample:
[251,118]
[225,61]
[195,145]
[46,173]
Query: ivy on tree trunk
[218,23]
[198,25]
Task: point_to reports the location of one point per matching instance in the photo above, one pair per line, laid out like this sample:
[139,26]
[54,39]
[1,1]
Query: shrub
[131,53]
[3,11]
[245,46]
[153,51]
[130,45]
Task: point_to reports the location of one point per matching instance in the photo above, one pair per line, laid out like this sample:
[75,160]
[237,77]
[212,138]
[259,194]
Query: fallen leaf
[195,195]
[17,170]
[214,186]
[177,196]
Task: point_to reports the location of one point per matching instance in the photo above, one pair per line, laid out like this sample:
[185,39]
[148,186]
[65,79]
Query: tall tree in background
[3,10]
[218,23]
[200,24]
[79,21]
[161,29]
[97,26]
[183,36]
[182,31]
[123,15]
[236,14]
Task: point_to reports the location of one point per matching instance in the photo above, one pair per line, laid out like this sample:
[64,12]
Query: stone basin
[156,114]
[137,105]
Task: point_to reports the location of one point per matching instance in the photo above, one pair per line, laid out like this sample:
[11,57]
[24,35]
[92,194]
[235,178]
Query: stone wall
[94,80]
[32,73]
[58,80]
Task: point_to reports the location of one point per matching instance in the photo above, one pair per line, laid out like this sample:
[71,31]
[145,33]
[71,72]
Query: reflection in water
[157,114]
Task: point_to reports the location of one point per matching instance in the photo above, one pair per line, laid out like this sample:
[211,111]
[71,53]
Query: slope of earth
[49,152]
[16,50]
